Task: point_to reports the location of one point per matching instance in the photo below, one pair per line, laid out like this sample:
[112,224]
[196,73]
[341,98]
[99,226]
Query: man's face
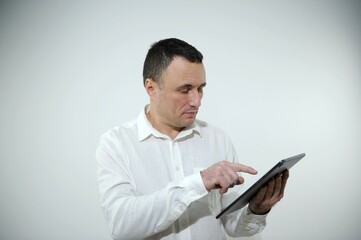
[178,94]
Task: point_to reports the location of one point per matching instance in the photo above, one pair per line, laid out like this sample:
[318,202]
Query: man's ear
[150,87]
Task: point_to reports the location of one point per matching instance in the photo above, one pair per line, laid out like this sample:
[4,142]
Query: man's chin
[188,122]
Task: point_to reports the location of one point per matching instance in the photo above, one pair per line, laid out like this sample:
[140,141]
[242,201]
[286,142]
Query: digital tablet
[243,200]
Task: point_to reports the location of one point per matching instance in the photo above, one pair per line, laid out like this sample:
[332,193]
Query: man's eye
[186,90]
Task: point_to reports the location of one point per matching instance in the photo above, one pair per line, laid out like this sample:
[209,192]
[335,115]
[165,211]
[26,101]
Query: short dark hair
[162,53]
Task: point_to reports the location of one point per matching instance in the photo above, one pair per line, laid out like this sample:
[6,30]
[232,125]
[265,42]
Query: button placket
[183,220]
[177,161]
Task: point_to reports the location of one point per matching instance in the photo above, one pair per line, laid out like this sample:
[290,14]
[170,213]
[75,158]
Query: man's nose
[195,98]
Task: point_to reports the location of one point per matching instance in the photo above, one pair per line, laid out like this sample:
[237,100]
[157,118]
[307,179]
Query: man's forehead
[183,72]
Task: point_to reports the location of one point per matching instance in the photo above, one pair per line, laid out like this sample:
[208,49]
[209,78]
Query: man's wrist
[250,211]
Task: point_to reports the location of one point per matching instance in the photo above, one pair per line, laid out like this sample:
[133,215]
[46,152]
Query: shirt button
[183,223]
[177,168]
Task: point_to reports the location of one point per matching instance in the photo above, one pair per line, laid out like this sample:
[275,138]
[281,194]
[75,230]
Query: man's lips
[191,113]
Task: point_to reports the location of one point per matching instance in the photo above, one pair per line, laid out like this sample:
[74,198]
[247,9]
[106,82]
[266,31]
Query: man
[165,174]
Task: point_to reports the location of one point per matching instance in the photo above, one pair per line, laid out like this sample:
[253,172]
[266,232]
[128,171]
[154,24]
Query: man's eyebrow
[184,86]
[203,84]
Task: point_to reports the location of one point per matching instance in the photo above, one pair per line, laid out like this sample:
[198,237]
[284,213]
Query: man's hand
[269,194]
[224,175]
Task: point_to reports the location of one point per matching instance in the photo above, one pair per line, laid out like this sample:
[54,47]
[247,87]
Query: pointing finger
[243,168]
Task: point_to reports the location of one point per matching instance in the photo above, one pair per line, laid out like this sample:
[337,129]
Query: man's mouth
[191,113]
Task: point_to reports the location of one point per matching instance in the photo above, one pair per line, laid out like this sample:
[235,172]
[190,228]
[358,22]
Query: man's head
[175,85]
[162,53]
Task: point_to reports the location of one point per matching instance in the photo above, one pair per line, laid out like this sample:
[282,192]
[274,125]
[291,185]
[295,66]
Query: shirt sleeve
[241,223]
[131,216]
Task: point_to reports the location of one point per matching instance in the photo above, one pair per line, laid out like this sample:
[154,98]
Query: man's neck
[161,127]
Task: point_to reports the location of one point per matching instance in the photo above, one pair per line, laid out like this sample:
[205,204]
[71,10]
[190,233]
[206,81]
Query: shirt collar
[145,128]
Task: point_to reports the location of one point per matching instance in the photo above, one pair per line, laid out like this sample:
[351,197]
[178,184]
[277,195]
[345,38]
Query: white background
[283,77]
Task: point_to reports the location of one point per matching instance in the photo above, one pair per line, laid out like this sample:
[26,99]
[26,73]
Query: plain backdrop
[284,77]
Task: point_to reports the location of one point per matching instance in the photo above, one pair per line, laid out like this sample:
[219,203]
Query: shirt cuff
[194,187]
[249,217]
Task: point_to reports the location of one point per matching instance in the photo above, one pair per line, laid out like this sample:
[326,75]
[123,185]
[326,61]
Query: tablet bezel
[243,200]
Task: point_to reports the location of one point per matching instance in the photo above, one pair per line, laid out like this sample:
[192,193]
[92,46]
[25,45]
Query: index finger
[243,168]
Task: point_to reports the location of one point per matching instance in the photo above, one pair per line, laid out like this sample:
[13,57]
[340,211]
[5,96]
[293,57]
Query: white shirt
[151,187]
